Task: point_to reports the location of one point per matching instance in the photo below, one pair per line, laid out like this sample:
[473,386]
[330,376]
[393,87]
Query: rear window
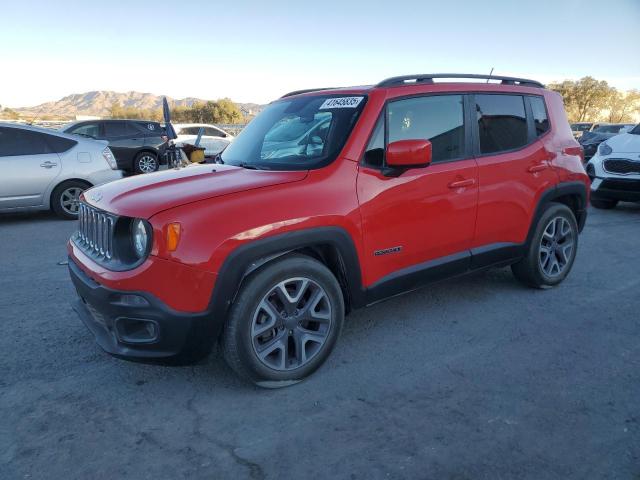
[502,122]
[636,130]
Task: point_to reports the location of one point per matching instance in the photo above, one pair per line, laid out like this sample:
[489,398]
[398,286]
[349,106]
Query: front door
[424,217]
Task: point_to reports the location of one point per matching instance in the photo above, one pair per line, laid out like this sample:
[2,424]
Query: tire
[146,162]
[312,316]
[603,203]
[65,198]
[559,246]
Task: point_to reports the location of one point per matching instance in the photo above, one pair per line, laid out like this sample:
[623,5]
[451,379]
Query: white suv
[46,169]
[615,170]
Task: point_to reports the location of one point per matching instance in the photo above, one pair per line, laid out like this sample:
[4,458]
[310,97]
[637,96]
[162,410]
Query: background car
[592,139]
[579,128]
[135,143]
[213,140]
[43,169]
[615,170]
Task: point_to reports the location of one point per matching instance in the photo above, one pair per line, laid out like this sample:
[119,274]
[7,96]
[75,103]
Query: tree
[621,106]
[584,99]
[10,114]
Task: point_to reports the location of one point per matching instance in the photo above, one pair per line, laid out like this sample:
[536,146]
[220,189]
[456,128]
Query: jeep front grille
[622,166]
[95,231]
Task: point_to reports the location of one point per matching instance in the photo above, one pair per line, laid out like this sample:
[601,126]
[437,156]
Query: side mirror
[405,154]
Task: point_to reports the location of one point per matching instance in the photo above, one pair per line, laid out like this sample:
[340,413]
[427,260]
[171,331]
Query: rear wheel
[603,203]
[65,199]
[552,250]
[284,323]
[146,162]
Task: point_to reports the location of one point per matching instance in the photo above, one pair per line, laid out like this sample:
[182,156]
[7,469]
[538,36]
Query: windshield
[636,130]
[580,127]
[296,133]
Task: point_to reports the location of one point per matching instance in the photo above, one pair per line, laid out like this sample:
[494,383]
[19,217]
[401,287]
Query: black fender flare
[575,189]
[249,257]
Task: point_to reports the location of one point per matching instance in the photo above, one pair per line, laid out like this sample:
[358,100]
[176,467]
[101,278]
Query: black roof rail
[307,90]
[428,78]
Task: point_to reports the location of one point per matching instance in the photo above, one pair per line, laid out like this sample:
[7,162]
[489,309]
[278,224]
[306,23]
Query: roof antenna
[490,75]
[37,115]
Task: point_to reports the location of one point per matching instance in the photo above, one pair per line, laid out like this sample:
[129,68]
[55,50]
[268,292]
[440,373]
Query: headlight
[605,149]
[140,238]
[108,156]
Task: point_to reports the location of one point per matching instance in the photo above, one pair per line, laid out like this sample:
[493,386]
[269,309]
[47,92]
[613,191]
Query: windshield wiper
[249,166]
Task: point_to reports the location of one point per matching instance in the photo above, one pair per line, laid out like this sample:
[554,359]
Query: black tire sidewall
[136,161]
[237,339]
[555,210]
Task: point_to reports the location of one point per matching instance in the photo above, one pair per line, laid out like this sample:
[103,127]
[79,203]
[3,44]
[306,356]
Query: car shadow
[14,218]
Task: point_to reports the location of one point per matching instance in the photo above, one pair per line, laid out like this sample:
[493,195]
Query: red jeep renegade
[330,200]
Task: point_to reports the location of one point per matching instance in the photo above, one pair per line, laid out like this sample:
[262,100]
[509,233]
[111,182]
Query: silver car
[44,169]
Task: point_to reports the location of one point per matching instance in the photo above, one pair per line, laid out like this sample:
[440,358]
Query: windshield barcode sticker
[342,102]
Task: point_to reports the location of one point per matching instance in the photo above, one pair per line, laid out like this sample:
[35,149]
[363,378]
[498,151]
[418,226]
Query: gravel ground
[474,378]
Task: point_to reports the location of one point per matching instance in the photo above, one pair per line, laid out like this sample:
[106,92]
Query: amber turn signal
[173,236]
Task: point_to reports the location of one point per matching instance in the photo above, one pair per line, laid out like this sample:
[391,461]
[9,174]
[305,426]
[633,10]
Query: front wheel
[552,250]
[146,162]
[284,323]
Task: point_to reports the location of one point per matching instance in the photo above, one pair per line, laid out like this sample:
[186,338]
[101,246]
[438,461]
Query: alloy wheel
[70,200]
[147,164]
[291,324]
[556,246]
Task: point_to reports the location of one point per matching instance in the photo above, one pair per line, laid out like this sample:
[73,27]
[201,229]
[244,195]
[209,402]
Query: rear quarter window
[540,118]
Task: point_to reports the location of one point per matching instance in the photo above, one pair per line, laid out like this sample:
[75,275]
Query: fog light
[132,300]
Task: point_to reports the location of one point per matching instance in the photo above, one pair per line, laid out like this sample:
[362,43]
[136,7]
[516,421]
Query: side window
[88,130]
[502,123]
[213,132]
[115,129]
[14,142]
[374,154]
[437,118]
[540,119]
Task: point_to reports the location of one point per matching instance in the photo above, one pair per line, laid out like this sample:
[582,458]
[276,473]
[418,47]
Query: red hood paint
[142,196]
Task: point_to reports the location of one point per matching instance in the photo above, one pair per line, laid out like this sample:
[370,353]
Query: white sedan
[213,140]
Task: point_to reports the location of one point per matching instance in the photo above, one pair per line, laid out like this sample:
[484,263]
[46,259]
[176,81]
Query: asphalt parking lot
[474,378]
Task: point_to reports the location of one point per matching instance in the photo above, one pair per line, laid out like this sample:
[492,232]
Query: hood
[142,196]
[625,143]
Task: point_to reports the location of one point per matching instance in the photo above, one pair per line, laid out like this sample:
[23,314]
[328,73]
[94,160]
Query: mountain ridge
[98,103]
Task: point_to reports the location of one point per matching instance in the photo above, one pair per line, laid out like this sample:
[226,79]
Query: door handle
[48,164]
[462,183]
[537,168]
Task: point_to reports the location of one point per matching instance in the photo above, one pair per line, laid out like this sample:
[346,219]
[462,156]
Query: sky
[255,51]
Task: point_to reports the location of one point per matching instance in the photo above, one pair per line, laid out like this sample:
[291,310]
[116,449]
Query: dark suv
[134,143]
[411,181]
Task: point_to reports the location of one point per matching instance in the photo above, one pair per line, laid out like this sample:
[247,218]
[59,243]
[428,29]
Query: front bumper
[137,325]
[623,189]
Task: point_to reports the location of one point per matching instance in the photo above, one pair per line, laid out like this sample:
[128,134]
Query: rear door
[28,166]
[423,214]
[513,165]
[124,141]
